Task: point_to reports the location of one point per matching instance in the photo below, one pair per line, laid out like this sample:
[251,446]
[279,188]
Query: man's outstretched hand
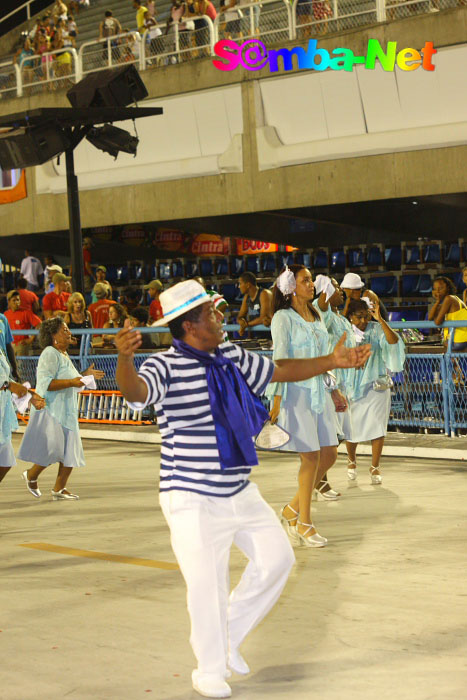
[350,357]
[127,340]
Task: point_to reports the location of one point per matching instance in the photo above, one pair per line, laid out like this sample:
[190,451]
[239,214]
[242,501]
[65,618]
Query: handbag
[271,437]
[383,383]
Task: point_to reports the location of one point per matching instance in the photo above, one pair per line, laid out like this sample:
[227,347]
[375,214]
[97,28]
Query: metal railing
[430,392]
[272,21]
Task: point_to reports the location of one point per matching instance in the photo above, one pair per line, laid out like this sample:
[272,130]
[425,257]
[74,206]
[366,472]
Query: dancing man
[205,395]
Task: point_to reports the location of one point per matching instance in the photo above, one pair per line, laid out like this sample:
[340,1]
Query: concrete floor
[380,613]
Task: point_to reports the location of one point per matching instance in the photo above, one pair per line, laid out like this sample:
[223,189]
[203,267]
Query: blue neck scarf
[238,414]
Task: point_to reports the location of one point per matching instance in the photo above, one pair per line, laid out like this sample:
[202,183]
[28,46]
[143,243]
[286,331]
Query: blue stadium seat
[432,253]
[410,285]
[356,258]
[384,286]
[286,259]
[458,281]
[135,271]
[111,274]
[177,269]
[252,264]
[222,267]
[164,271]
[405,315]
[453,254]
[269,262]
[191,268]
[236,268]
[122,274]
[303,259]
[393,257]
[412,254]
[229,291]
[425,285]
[206,267]
[338,261]
[321,259]
[374,256]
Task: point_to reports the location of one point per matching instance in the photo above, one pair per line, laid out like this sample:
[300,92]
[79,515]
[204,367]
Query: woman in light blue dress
[52,434]
[305,409]
[371,395]
[328,302]
[8,420]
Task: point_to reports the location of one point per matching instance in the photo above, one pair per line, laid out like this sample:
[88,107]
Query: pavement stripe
[69,551]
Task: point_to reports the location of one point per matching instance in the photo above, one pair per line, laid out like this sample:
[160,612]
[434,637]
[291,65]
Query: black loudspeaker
[113,87]
[20,148]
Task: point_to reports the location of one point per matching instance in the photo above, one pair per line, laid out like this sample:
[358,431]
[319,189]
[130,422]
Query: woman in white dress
[52,434]
[304,409]
[371,397]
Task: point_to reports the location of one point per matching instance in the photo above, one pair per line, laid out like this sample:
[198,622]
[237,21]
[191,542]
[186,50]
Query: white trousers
[203,529]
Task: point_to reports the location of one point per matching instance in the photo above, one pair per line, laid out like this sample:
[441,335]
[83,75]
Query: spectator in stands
[141,12]
[29,300]
[322,12]
[371,397]
[77,316]
[304,17]
[88,276]
[42,47]
[100,309]
[139,319]
[63,58]
[52,434]
[198,8]
[51,268]
[101,272]
[31,270]
[25,64]
[117,318]
[55,302]
[448,307]
[130,299]
[151,5]
[6,346]
[155,309]
[354,287]
[59,11]
[72,28]
[20,320]
[110,27]
[231,26]
[177,11]
[256,305]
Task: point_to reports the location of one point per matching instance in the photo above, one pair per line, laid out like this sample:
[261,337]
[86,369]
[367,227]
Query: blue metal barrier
[431,391]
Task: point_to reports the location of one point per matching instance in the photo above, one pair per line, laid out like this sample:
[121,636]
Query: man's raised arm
[133,388]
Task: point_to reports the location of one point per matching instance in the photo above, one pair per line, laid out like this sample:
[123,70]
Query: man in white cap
[205,394]
[352,285]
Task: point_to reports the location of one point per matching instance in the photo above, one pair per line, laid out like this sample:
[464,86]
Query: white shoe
[62,496]
[237,663]
[291,529]
[210,685]
[329,495]
[35,492]
[351,473]
[375,478]
[310,540]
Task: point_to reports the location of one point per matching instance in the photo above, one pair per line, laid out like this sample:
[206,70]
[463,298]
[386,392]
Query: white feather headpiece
[286,282]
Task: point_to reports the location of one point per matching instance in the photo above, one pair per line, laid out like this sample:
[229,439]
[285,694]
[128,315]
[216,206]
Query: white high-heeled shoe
[61,496]
[351,473]
[375,478]
[286,522]
[35,492]
[310,540]
[329,495]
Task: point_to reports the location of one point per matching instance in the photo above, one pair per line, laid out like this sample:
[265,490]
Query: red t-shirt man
[155,310]
[99,311]
[28,300]
[55,302]
[20,321]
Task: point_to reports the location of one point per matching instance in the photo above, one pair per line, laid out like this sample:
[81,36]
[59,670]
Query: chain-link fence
[408,8]
[110,52]
[8,79]
[314,19]
[270,21]
[456,376]
[192,38]
[52,70]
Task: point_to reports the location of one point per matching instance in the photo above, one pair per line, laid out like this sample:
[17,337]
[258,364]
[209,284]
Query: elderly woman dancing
[52,434]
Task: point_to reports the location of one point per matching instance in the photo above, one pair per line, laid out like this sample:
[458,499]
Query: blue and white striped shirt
[178,388]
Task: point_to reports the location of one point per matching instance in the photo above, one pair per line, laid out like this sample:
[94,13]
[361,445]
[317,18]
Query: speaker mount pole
[76,241]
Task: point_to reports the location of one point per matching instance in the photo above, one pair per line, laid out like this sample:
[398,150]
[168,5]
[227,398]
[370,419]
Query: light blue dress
[336,325]
[52,434]
[370,409]
[307,410]
[8,420]
[5,333]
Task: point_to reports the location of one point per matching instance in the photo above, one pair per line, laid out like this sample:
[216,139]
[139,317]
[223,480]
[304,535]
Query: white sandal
[286,522]
[375,478]
[351,473]
[310,540]
[329,495]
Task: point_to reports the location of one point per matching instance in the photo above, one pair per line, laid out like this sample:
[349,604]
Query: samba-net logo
[253,55]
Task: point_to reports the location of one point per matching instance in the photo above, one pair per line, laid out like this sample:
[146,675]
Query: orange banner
[245,247]
[14,194]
